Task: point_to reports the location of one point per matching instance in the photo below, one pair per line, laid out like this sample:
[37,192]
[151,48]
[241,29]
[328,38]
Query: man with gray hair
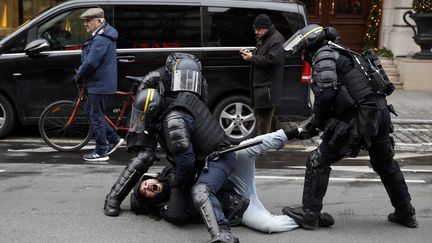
[99,73]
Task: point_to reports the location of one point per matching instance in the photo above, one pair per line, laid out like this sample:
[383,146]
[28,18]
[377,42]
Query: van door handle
[126,59]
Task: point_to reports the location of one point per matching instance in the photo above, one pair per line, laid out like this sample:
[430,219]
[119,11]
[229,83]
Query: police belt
[379,100]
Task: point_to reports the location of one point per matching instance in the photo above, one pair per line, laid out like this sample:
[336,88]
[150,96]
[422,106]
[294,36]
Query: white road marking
[332,179]
[363,169]
[414,144]
[397,156]
[411,121]
[2,170]
[45,149]
[413,129]
[25,140]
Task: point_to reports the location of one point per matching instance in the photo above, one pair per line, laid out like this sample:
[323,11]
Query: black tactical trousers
[381,158]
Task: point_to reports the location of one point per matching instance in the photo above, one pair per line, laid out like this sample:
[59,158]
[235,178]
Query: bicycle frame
[114,124]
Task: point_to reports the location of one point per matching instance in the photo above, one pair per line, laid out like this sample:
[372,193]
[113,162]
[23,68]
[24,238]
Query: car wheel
[235,116]
[7,116]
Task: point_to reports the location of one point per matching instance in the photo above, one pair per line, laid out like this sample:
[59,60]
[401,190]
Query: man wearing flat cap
[98,71]
[267,62]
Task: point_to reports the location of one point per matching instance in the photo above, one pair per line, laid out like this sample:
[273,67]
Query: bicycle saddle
[135,79]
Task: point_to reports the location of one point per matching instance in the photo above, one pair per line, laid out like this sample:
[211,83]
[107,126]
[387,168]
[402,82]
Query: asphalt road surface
[49,196]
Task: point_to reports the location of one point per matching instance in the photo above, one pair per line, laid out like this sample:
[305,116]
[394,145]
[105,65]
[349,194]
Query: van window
[65,31]
[157,26]
[18,45]
[224,27]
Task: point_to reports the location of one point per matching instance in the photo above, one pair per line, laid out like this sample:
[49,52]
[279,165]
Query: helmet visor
[137,121]
[291,44]
[186,80]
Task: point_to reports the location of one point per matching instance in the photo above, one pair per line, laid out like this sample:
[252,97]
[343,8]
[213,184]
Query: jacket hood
[109,32]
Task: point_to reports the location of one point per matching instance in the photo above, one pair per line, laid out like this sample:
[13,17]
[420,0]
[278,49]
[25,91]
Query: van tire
[235,115]
[7,116]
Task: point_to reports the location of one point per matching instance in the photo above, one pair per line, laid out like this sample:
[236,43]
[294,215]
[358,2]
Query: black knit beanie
[263,21]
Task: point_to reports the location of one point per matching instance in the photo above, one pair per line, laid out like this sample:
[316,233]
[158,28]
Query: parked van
[213,30]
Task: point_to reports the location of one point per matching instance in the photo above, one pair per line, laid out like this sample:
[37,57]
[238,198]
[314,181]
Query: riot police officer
[350,108]
[173,114]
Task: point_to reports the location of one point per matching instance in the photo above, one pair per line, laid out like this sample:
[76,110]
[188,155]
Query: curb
[411,121]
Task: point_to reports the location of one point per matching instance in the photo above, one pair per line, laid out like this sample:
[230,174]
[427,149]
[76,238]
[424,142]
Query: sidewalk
[413,125]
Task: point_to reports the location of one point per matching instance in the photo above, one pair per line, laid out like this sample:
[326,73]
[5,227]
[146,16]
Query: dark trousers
[266,120]
[102,131]
[381,158]
[217,174]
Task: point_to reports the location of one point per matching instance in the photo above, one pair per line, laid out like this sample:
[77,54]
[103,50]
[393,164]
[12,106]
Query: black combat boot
[201,200]
[314,189]
[298,215]
[224,236]
[124,184]
[400,198]
[112,205]
[237,205]
[406,218]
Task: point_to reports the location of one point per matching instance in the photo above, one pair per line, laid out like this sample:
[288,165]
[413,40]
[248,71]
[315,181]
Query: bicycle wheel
[57,134]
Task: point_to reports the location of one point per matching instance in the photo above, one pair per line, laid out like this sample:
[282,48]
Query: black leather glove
[293,133]
[308,129]
[151,80]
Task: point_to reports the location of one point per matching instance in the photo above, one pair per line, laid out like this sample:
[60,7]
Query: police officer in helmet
[350,108]
[169,110]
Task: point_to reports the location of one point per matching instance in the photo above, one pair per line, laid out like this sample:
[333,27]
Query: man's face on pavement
[91,25]
[260,32]
[150,188]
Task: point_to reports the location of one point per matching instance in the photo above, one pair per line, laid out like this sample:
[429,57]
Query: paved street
[49,196]
[58,202]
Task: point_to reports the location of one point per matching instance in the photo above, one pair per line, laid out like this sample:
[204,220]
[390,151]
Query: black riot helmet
[331,34]
[146,108]
[307,37]
[310,38]
[185,72]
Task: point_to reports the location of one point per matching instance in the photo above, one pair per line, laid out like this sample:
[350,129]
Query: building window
[9,16]
[15,12]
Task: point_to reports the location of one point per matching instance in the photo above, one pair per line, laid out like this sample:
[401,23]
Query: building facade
[349,17]
[16,12]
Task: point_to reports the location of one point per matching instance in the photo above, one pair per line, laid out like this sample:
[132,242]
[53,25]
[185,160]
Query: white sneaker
[113,147]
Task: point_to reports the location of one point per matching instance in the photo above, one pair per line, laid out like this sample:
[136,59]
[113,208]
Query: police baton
[215,155]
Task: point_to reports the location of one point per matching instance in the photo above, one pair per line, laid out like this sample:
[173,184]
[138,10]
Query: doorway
[349,17]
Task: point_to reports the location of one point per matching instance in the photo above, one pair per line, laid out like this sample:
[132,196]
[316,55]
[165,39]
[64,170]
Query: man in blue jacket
[99,72]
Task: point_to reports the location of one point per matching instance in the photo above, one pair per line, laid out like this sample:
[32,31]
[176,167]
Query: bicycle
[64,126]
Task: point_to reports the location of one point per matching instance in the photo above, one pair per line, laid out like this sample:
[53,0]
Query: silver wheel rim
[2,116]
[238,120]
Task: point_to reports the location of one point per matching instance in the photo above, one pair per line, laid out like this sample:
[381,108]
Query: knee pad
[200,193]
[142,162]
[314,162]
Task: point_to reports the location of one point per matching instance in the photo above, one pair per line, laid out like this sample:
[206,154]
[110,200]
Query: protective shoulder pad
[324,68]
[176,133]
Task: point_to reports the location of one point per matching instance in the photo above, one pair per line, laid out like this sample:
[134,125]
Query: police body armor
[360,94]
[206,126]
